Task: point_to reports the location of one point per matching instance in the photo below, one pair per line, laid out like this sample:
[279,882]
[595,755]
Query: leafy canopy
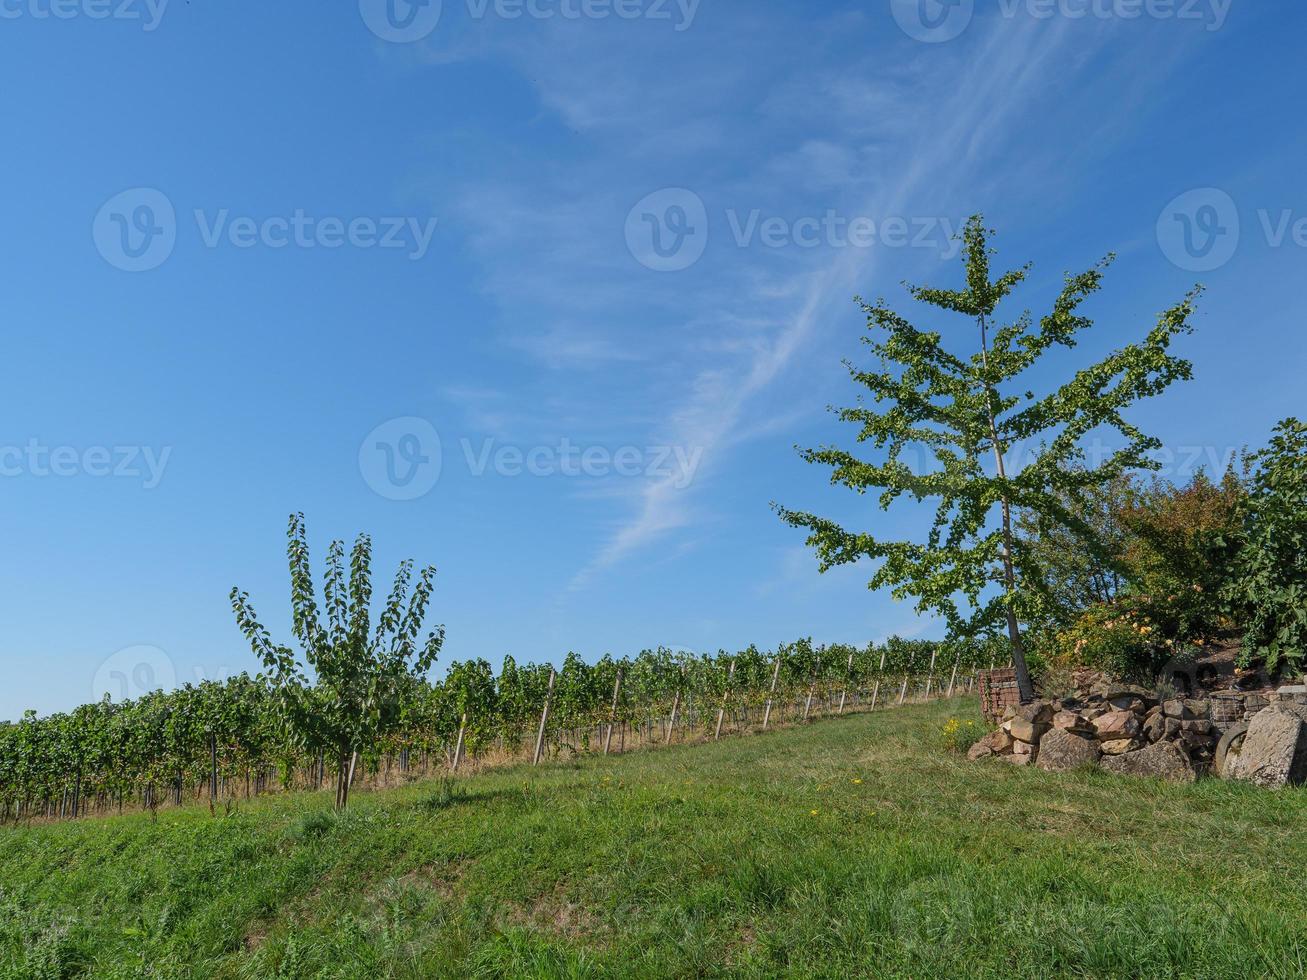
[1269,582]
[960,414]
[362,674]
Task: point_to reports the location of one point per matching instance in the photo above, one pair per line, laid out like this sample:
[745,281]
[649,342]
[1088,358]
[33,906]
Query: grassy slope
[688,861]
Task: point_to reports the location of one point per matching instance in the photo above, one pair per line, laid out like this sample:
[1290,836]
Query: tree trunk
[1025,687]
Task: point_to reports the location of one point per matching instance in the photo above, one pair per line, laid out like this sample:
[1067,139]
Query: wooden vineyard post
[953,677]
[930,677]
[612,715]
[903,690]
[875,691]
[807,705]
[676,704]
[213,770]
[544,718]
[721,711]
[775,676]
[458,746]
[844,692]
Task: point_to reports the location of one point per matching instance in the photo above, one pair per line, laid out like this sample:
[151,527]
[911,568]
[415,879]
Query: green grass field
[855,846]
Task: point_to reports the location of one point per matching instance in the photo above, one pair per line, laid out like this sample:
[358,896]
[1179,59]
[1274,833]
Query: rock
[1153,712]
[1175,709]
[1070,721]
[979,751]
[1292,689]
[1198,708]
[1199,726]
[1018,760]
[1060,751]
[1118,746]
[1025,748]
[1026,731]
[1116,725]
[1274,751]
[1036,712]
[1112,691]
[998,742]
[1233,737]
[1128,702]
[1173,728]
[1155,728]
[1165,760]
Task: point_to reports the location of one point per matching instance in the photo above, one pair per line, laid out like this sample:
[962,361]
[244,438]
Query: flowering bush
[960,735]
[1114,638]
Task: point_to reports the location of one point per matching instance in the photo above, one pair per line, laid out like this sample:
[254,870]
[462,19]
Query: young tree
[361,674]
[965,412]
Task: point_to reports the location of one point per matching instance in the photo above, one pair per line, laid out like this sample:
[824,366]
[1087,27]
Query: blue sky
[546,293]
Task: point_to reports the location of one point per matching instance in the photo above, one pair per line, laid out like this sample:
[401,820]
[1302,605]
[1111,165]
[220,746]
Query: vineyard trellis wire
[222,740]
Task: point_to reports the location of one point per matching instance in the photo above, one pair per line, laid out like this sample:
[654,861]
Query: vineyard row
[222,740]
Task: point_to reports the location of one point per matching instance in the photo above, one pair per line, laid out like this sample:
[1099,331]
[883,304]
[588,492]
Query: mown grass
[853,847]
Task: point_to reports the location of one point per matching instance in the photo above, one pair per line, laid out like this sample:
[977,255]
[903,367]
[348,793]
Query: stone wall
[1129,729]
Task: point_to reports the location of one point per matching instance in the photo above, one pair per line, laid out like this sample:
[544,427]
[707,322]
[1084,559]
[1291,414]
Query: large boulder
[1274,751]
[1060,751]
[1163,760]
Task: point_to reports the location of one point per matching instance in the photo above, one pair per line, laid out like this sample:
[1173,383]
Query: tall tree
[964,413]
[361,674]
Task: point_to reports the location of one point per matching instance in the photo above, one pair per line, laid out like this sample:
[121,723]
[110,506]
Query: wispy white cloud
[750,123]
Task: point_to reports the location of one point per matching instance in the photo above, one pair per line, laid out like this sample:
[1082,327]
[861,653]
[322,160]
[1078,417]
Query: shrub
[1117,639]
[1178,552]
[959,735]
[1269,580]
